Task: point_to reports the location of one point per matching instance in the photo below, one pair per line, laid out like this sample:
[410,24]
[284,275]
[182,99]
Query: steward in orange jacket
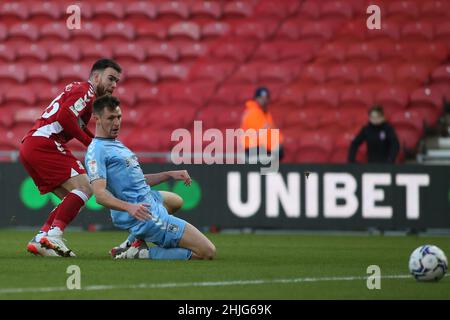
[256,116]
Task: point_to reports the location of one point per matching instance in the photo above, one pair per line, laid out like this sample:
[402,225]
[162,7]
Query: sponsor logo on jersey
[92,166]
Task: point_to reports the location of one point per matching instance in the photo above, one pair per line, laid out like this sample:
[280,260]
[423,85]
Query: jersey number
[52,108]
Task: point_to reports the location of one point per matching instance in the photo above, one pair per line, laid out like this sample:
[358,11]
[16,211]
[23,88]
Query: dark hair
[376,108]
[262,91]
[106,101]
[102,64]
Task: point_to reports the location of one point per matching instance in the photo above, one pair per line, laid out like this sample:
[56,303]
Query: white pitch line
[197,284]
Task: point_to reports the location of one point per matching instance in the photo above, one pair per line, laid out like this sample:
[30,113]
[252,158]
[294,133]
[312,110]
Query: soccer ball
[428,263]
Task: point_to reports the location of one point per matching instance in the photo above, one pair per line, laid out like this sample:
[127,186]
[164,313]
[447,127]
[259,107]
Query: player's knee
[177,202]
[208,251]
[87,190]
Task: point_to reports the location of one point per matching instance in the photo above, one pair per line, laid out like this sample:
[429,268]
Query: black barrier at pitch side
[334,197]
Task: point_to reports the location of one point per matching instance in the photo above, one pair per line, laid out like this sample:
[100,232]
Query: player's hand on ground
[140,211]
[181,175]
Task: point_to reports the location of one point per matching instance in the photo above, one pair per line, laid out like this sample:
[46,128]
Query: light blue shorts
[157,196]
[166,233]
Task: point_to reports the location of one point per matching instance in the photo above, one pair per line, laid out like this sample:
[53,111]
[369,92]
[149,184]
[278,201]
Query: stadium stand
[186,60]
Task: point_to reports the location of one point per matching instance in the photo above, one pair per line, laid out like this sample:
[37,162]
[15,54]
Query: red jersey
[67,115]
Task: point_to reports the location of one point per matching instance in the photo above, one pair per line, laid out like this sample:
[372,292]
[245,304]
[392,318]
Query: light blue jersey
[111,160]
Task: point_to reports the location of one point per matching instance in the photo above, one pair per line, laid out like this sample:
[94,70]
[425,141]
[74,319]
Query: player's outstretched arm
[104,197]
[157,178]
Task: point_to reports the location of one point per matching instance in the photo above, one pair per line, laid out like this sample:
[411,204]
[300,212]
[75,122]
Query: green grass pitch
[248,266]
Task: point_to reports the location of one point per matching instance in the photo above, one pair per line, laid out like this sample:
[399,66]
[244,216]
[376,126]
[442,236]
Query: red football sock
[49,221]
[68,209]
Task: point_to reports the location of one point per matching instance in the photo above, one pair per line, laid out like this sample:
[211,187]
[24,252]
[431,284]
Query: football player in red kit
[52,166]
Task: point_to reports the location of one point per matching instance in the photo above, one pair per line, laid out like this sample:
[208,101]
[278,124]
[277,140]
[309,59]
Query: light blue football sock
[158,253]
[131,238]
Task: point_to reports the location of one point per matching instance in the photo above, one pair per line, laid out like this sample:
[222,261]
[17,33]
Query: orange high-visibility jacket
[255,118]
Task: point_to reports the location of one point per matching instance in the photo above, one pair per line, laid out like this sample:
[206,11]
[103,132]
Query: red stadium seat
[211,71]
[195,95]
[292,96]
[362,53]
[7,119]
[341,148]
[304,118]
[352,32]
[140,10]
[7,54]
[409,128]
[321,97]
[314,148]
[108,11]
[277,73]
[378,73]
[290,29]
[27,116]
[356,99]
[417,30]
[152,95]
[141,74]
[276,9]
[412,74]
[14,11]
[231,119]
[66,52]
[441,74]
[390,30]
[12,137]
[126,94]
[130,53]
[74,72]
[184,29]
[247,73]
[313,74]
[39,73]
[392,98]
[256,29]
[342,74]
[90,30]
[12,73]
[173,72]
[234,50]
[403,9]
[119,31]
[24,30]
[149,29]
[323,29]
[209,9]
[192,50]
[226,95]
[162,51]
[17,96]
[336,9]
[433,9]
[99,50]
[309,9]
[332,52]
[237,9]
[215,29]
[175,9]
[48,10]
[45,93]
[31,53]
[428,102]
[55,30]
[3,32]
[442,33]
[300,51]
[431,52]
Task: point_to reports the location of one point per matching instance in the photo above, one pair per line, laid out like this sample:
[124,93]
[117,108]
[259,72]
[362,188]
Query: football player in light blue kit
[119,184]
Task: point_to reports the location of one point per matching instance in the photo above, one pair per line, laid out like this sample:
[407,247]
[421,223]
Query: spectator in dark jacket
[381,139]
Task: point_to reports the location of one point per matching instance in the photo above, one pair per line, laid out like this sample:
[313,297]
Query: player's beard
[101,90]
